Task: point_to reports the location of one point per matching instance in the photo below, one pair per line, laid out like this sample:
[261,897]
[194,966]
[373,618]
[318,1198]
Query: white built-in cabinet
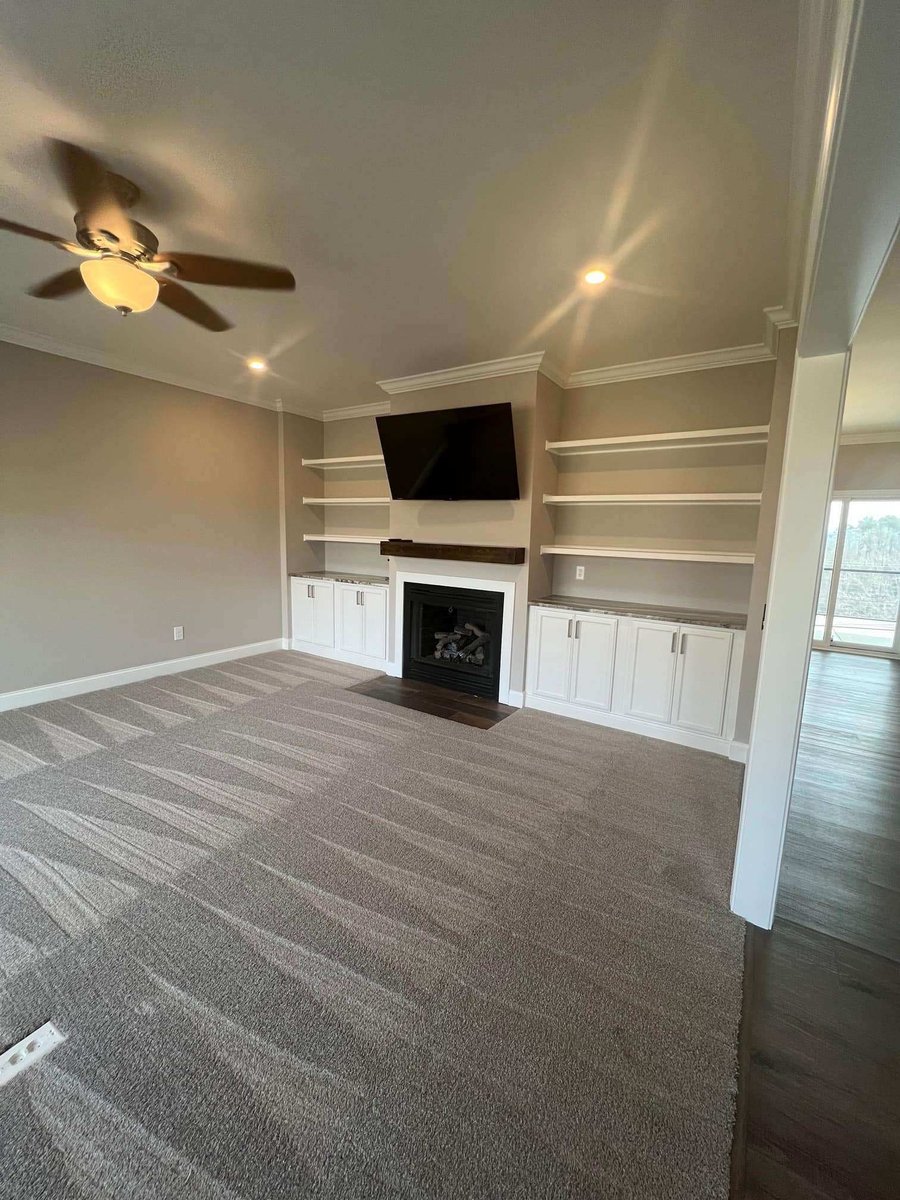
[337,620]
[572,656]
[361,619]
[312,611]
[668,680]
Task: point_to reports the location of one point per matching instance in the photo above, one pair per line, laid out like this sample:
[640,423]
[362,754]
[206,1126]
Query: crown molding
[494,367]
[378,409]
[705,360]
[869,437]
[777,318]
[554,373]
[97,358]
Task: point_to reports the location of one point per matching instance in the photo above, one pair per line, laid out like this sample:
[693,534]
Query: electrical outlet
[29,1050]
[579,572]
[178,633]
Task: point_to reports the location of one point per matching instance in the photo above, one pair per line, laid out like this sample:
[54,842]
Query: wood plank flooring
[819,1106]
[476,711]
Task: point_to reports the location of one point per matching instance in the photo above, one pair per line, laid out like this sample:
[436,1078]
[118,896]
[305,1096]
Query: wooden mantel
[400,548]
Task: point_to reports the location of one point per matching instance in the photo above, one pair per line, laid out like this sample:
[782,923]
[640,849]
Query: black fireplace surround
[451,637]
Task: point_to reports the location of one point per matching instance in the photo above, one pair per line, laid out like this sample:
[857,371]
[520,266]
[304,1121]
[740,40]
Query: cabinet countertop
[657,612]
[342,577]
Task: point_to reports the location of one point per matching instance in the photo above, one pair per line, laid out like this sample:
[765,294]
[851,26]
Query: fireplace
[451,637]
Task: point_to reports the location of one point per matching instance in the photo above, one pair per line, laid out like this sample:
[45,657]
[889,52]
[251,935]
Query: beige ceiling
[437,175]
[873,385]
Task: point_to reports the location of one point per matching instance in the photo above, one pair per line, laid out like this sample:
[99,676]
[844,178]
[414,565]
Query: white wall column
[810,449]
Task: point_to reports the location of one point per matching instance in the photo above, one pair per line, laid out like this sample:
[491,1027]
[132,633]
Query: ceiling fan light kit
[119,284]
[121,266]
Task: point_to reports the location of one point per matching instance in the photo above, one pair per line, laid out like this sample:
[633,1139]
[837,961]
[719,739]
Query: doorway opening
[859,591]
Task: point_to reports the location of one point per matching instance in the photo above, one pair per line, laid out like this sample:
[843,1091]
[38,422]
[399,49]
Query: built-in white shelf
[358,539]
[344,500]
[713,556]
[357,460]
[661,498]
[744,435]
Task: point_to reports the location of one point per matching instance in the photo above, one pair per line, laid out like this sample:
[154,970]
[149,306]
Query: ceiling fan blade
[88,186]
[229,272]
[26,231]
[186,304]
[57,286]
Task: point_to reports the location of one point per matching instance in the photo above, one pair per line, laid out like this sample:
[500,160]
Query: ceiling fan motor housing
[143,246]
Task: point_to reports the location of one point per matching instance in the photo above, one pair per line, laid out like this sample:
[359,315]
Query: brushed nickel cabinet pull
[683,637]
[674,640]
[310,592]
[577,630]
[569,631]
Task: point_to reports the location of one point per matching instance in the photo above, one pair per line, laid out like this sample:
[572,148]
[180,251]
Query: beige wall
[738,395]
[128,507]
[712,399]
[868,466]
[549,405]
[302,438]
[343,439]
[768,511]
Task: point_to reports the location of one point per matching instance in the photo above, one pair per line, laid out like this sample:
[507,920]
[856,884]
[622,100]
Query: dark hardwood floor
[819,1105]
[440,702]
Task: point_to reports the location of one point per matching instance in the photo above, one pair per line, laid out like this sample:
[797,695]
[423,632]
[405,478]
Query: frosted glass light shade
[119,284]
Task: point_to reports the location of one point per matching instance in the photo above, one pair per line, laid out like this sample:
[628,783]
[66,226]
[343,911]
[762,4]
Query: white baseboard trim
[738,752]
[344,656]
[517,699]
[662,733]
[95,683]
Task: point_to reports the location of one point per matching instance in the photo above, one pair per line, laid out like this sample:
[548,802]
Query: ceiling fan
[121,264]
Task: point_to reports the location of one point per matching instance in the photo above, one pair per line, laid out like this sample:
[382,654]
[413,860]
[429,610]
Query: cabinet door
[375,621]
[649,690]
[312,613]
[350,618]
[592,662]
[323,595]
[551,647]
[704,656]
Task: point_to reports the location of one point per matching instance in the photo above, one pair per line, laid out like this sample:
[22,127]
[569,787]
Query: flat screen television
[451,454]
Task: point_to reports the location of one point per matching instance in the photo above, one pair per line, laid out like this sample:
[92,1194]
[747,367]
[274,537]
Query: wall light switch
[178,633]
[579,572]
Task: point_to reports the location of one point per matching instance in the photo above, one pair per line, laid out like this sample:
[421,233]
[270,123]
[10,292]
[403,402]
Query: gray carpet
[306,943]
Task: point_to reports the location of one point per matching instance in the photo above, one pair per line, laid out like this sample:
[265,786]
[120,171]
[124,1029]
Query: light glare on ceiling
[595,277]
[119,284]
[259,365]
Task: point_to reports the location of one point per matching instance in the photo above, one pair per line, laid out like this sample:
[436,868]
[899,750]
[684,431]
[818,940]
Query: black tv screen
[451,454]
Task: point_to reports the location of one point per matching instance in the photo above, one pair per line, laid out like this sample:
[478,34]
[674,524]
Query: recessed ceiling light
[259,365]
[595,277]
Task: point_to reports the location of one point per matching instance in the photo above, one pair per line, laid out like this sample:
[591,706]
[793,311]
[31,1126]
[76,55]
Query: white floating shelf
[744,435]
[716,556]
[360,539]
[662,498]
[344,500]
[358,460]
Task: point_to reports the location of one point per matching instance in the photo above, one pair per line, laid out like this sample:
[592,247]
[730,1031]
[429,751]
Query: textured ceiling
[873,385]
[437,175]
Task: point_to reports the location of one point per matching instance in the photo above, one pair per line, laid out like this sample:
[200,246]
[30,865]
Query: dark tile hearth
[477,711]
